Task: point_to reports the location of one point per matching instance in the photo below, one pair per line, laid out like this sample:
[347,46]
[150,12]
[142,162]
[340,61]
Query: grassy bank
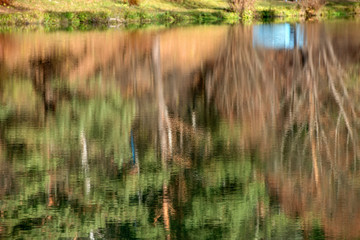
[116,12]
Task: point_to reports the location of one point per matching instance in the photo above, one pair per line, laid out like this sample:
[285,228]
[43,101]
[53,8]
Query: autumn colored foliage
[134,2]
[312,6]
[5,2]
[240,6]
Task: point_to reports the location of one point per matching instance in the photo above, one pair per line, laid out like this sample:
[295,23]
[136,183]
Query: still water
[208,132]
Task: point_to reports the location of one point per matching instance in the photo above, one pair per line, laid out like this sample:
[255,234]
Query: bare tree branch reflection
[302,97]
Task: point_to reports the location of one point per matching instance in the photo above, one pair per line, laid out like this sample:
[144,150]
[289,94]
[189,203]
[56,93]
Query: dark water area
[208,132]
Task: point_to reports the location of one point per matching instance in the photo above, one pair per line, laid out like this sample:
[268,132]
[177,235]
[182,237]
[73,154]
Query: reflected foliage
[188,133]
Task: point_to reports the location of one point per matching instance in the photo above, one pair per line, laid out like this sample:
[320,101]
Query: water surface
[209,132]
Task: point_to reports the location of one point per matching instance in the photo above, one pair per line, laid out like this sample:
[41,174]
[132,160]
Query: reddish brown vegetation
[5,2]
[312,6]
[241,6]
[134,2]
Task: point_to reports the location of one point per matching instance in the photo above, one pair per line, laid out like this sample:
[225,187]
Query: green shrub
[83,17]
[130,15]
[165,17]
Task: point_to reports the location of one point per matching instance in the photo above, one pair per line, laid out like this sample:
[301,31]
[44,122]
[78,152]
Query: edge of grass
[264,12]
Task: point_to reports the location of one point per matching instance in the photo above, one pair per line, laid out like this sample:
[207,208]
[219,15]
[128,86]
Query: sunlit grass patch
[112,12]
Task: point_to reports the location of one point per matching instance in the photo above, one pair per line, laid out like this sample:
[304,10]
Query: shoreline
[138,16]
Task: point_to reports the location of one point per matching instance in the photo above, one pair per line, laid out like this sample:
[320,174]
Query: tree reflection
[160,135]
[308,104]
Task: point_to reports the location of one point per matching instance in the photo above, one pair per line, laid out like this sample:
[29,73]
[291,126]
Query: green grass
[333,8]
[115,12]
[116,6]
[340,9]
[270,9]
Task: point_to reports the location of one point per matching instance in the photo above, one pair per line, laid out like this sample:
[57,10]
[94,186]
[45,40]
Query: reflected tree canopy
[188,133]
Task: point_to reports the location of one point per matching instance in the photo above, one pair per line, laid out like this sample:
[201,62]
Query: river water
[199,132]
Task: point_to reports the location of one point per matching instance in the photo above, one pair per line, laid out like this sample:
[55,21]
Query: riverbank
[110,12]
